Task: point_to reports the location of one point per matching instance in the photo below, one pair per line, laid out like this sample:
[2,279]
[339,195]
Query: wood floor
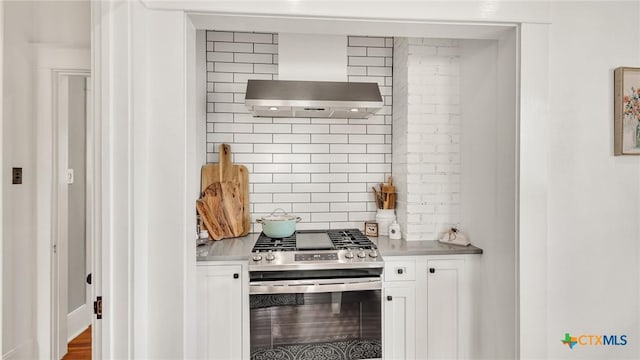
[80,347]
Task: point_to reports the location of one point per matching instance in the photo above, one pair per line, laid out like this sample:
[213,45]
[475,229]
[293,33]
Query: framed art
[626,125]
[371,229]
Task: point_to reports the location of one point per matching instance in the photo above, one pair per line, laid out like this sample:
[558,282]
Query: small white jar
[384,218]
[394,231]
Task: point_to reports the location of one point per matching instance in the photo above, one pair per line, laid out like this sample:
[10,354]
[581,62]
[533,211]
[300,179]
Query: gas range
[315,250]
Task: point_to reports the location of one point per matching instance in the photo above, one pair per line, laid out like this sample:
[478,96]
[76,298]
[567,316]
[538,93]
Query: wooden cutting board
[233,192]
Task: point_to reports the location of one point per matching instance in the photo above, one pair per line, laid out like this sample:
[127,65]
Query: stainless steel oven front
[316,314]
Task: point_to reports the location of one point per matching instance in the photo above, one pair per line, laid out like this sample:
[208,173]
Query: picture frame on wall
[626,111]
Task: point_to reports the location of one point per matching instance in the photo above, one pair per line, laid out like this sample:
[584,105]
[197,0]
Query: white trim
[3,165]
[78,321]
[49,59]
[22,351]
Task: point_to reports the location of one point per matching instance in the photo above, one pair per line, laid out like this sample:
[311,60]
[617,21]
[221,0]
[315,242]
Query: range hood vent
[314,99]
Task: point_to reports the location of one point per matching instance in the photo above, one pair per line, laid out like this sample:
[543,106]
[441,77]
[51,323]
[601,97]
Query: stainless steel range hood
[315,99]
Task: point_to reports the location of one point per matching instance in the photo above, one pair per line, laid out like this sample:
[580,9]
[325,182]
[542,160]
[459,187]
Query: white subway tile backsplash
[310,148]
[308,129]
[265,69]
[320,169]
[366,41]
[220,137]
[275,169]
[329,158]
[349,206]
[356,51]
[219,36]
[268,208]
[292,158]
[265,49]
[348,167]
[219,117]
[230,107]
[232,128]
[253,38]
[292,198]
[219,56]
[329,178]
[311,187]
[219,77]
[253,158]
[292,178]
[272,188]
[329,216]
[361,196]
[309,168]
[272,148]
[232,47]
[259,178]
[252,138]
[292,138]
[367,158]
[329,139]
[366,61]
[229,87]
[242,78]
[272,128]
[348,187]
[311,207]
[366,139]
[367,177]
[348,148]
[220,97]
[252,58]
[383,51]
[348,129]
[233,67]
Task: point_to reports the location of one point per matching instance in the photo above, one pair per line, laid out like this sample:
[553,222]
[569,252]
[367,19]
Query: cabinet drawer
[399,270]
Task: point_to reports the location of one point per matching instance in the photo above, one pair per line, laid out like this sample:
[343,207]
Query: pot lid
[279,215]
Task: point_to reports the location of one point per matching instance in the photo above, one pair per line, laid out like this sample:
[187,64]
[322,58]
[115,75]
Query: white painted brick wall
[426,135]
[319,169]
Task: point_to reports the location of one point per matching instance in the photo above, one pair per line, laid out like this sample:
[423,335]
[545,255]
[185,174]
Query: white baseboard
[77,321]
[24,351]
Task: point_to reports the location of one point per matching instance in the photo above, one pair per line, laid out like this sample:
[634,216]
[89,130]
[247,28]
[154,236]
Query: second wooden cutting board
[226,171]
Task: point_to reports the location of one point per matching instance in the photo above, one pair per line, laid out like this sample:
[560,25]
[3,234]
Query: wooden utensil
[234,202]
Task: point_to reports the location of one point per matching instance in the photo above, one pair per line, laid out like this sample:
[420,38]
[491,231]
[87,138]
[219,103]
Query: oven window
[338,325]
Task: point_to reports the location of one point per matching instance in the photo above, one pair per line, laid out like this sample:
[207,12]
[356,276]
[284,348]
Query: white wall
[594,197]
[26,23]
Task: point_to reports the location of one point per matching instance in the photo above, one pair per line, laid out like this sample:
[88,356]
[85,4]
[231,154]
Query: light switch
[69,176]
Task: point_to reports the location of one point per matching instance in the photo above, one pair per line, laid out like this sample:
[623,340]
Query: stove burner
[341,239]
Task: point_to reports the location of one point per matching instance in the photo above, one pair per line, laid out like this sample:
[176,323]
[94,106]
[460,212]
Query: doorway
[64,107]
[74,95]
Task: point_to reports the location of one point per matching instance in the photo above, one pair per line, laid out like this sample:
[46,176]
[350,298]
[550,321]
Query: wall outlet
[16,175]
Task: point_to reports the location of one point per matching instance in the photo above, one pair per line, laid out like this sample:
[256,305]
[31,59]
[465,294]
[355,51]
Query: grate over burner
[350,239]
[341,239]
[265,243]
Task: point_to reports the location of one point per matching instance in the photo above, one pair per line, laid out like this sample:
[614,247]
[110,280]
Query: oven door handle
[314,286]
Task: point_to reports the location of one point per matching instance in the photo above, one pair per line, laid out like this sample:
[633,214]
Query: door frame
[52,63]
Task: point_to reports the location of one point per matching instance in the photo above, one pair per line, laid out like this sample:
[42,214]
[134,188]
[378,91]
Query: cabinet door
[220,312]
[398,337]
[445,279]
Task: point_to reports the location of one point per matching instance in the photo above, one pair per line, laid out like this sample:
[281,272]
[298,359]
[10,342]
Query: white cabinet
[220,312]
[447,318]
[398,341]
[427,307]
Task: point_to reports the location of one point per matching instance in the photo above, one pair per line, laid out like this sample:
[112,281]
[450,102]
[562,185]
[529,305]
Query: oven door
[316,318]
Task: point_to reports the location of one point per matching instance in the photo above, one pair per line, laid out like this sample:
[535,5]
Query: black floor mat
[338,350]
